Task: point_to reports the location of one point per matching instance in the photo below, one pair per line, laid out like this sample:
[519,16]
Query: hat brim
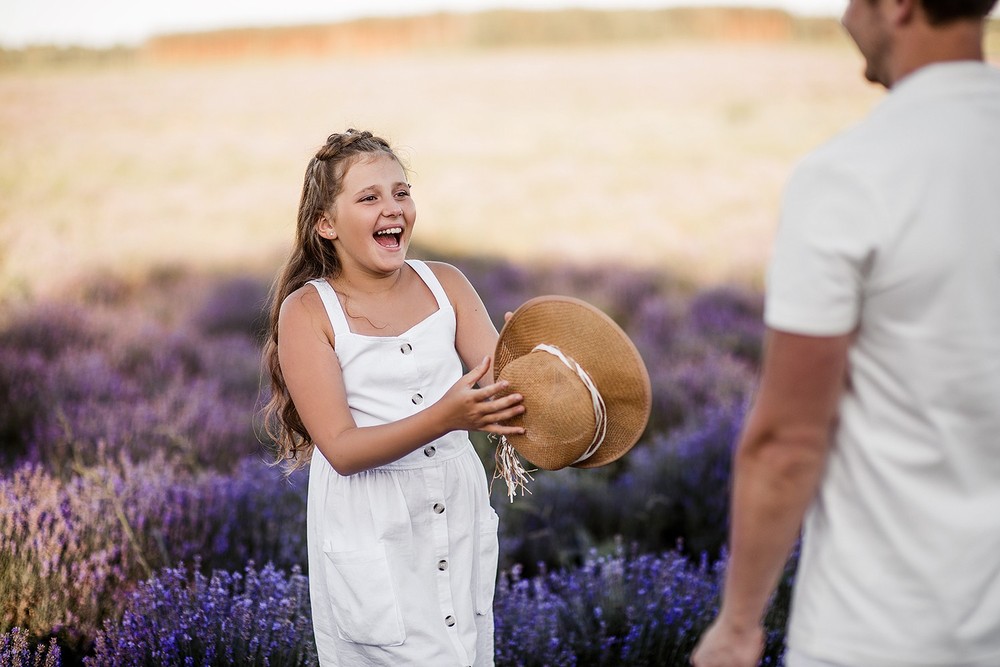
[599,345]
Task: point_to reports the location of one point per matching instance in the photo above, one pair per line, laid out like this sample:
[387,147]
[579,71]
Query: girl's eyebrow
[365,190]
[374,187]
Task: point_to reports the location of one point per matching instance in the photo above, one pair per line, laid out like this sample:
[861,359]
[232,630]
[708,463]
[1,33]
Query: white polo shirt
[892,230]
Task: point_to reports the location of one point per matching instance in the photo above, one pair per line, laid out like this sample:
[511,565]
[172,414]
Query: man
[877,419]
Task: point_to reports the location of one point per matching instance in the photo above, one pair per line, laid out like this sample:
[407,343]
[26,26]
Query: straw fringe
[509,468]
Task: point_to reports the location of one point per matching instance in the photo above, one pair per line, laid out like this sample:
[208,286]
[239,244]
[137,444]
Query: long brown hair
[312,256]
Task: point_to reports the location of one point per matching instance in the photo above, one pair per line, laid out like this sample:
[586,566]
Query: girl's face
[372,218]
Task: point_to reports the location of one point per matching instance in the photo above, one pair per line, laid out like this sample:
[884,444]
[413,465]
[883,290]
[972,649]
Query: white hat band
[600,411]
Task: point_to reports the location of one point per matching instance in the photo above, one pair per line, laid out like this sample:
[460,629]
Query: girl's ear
[325,228]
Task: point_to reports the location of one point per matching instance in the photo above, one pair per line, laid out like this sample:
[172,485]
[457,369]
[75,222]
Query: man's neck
[923,44]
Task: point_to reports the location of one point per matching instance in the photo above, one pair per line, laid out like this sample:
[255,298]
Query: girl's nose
[392,211]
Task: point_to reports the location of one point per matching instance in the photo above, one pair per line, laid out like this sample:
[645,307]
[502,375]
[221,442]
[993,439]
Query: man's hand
[724,645]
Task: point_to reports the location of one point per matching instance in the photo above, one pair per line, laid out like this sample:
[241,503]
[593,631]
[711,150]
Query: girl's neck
[364,283]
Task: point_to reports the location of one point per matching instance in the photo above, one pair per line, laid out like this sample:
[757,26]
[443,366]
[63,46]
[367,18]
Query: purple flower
[17,649]
[178,617]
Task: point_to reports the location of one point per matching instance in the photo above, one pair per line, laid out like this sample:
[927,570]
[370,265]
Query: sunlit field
[663,156]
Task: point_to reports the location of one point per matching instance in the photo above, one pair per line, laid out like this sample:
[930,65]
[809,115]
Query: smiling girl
[365,351]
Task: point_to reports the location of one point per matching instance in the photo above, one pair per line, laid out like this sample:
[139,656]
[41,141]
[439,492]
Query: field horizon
[668,155]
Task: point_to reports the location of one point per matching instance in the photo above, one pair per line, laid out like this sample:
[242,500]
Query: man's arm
[777,469]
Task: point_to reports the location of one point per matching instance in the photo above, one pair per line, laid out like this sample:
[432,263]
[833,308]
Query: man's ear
[903,12]
[325,228]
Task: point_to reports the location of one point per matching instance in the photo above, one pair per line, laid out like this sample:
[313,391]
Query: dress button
[449,621]
[430,450]
[406,348]
[442,565]
[417,399]
[438,508]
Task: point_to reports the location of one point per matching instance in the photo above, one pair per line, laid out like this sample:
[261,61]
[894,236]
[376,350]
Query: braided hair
[312,256]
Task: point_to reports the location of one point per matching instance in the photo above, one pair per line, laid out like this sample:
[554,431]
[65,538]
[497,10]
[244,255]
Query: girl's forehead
[369,164]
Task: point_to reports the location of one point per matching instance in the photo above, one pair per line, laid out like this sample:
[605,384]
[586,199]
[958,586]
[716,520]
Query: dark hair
[945,11]
[312,256]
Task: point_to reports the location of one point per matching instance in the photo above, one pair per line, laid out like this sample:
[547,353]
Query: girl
[365,353]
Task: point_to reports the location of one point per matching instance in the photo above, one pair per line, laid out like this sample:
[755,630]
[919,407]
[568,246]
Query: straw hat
[586,390]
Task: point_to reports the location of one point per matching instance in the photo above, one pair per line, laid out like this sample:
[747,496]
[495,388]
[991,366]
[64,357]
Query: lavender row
[71,545]
[614,610]
[77,377]
[71,548]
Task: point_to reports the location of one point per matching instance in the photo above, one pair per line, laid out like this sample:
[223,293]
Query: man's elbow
[789,453]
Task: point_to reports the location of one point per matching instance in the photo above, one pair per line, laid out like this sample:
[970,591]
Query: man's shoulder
[846,153]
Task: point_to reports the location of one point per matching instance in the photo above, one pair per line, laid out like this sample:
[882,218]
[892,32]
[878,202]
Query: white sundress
[402,558]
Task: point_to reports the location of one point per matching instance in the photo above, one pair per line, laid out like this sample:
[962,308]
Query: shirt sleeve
[822,252]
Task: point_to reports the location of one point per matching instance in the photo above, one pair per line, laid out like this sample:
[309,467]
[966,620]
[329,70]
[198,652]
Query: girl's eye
[368,198]
[403,193]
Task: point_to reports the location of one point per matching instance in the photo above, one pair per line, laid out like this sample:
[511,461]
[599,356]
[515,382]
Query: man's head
[897,37]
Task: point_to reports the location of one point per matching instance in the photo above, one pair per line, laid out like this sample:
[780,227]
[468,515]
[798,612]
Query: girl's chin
[390,260]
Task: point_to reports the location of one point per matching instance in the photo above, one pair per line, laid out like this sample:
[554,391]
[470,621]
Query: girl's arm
[315,382]
[476,337]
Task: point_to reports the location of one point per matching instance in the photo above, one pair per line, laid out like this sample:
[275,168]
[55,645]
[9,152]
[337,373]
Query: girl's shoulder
[458,288]
[453,281]
[306,296]
[303,306]
[447,274]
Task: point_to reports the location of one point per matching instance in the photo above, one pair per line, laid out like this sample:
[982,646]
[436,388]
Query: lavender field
[140,522]
[146,207]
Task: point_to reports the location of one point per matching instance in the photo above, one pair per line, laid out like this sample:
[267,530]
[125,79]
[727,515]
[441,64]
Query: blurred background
[177,134]
[151,159]
[659,136]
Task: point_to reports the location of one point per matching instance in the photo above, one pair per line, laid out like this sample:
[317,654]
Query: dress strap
[333,308]
[427,275]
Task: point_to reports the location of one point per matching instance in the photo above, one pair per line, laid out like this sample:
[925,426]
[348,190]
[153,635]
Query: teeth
[390,230]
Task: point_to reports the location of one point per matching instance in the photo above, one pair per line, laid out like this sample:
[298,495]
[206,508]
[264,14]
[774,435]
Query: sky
[105,23]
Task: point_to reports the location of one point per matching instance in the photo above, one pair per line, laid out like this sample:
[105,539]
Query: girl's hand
[467,408]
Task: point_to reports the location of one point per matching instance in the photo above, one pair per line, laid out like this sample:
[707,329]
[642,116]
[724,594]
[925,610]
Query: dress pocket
[486,568]
[363,597]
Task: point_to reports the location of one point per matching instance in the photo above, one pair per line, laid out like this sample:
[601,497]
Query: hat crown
[557,408]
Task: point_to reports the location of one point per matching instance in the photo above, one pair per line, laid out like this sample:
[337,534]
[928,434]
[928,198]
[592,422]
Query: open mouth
[389,237]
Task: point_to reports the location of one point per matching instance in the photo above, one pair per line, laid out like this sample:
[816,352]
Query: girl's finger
[500,429]
[501,416]
[477,373]
[503,403]
[494,389]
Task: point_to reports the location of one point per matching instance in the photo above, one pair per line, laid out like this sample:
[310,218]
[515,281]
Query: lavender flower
[259,617]
[70,549]
[234,306]
[614,610]
[18,650]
